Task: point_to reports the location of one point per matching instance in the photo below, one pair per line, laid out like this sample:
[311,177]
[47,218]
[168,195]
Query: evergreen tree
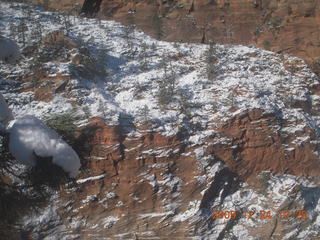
[101,108]
[102,64]
[128,35]
[167,83]
[13,31]
[210,59]
[22,29]
[145,113]
[65,21]
[36,31]
[144,56]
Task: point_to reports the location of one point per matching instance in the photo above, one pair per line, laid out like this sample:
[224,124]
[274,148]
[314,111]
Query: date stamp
[262,215]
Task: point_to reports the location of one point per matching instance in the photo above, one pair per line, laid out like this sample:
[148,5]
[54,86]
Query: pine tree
[36,31]
[167,83]
[101,63]
[145,113]
[164,65]
[22,29]
[143,54]
[101,108]
[154,47]
[210,59]
[128,34]
[13,31]
[65,21]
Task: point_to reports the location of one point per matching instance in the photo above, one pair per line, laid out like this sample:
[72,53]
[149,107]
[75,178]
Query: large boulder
[9,50]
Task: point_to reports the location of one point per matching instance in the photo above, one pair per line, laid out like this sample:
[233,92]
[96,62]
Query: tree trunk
[91,7]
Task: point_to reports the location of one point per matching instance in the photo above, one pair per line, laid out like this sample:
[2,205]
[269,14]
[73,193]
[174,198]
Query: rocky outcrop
[147,181]
[258,144]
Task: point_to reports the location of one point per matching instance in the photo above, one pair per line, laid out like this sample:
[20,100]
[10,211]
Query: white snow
[84,180]
[192,210]
[108,222]
[155,214]
[29,137]
[89,199]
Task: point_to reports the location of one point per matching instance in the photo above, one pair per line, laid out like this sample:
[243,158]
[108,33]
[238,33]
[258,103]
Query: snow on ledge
[84,180]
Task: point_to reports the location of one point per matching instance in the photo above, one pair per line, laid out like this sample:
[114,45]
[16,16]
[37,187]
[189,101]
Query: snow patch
[30,137]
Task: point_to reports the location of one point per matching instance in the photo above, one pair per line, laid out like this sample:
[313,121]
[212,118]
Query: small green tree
[167,83]
[66,23]
[231,99]
[22,29]
[128,32]
[210,60]
[144,56]
[36,31]
[145,111]
[102,62]
[13,31]
[102,108]
[64,124]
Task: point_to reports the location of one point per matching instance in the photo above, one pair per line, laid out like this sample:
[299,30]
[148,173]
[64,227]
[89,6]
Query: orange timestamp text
[264,214]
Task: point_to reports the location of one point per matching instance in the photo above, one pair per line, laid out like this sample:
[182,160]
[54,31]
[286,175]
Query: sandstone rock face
[152,185]
[258,146]
[281,26]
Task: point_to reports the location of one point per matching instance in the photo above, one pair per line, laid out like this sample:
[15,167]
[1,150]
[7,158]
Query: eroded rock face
[262,23]
[163,185]
[259,144]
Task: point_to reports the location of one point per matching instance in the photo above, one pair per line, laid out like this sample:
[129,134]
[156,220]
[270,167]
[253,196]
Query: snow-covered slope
[246,77]
[166,86]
